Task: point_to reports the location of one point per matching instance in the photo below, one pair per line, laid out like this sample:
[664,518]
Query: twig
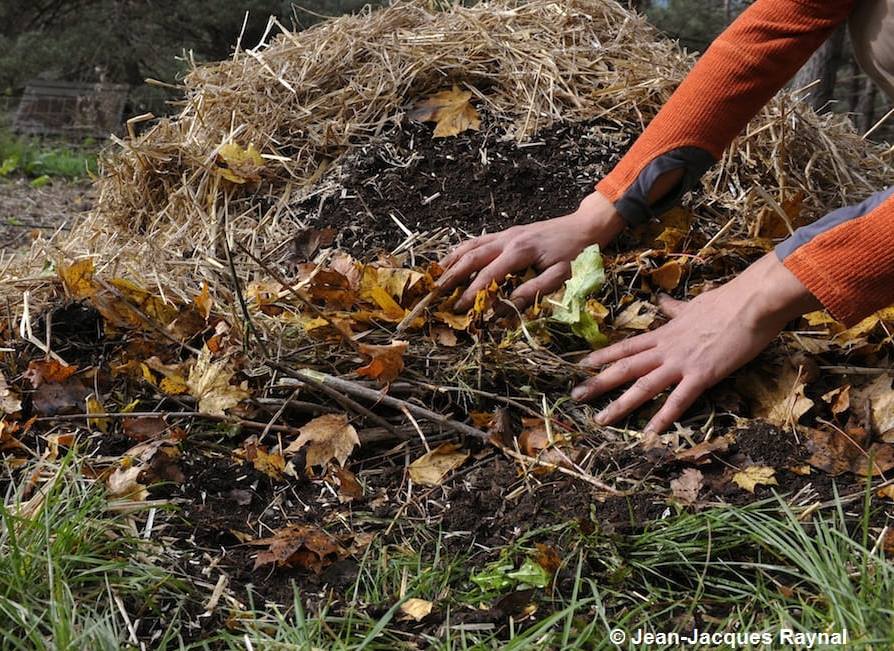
[413,314]
[518,456]
[348,387]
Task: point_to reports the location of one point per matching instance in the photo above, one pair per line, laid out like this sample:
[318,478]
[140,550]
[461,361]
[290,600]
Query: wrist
[600,222]
[775,292]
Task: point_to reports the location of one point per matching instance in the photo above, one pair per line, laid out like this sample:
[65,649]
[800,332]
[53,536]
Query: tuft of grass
[72,574]
[40,159]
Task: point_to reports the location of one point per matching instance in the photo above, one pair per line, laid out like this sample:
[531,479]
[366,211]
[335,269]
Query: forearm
[739,73]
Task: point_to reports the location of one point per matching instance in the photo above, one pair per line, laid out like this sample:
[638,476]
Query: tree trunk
[822,66]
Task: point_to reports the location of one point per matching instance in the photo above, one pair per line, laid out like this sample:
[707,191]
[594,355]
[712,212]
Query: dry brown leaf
[123,483]
[416,609]
[886,491]
[455,321]
[348,486]
[880,396]
[687,486]
[779,401]
[271,464]
[77,278]
[53,398]
[432,467]
[668,275]
[386,362]
[700,452]
[94,406]
[839,399]
[10,402]
[755,475]
[639,315]
[327,437]
[209,382]
[300,546]
[444,337]
[836,452]
[450,110]
[41,371]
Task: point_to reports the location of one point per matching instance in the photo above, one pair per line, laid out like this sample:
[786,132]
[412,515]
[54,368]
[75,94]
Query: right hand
[548,246]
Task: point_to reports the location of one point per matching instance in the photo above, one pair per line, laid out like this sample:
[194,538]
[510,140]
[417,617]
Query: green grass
[42,160]
[69,573]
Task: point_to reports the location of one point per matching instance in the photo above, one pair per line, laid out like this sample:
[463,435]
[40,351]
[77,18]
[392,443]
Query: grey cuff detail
[806,233]
[634,205]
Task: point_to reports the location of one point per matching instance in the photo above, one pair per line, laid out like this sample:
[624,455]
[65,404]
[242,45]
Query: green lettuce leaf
[587,276]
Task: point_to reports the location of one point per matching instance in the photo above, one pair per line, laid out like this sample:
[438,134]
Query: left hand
[706,339]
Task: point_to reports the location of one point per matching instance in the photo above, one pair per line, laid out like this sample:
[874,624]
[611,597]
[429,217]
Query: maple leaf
[209,383]
[754,475]
[327,437]
[239,165]
[9,400]
[432,467]
[450,110]
[687,486]
[300,546]
[386,362]
[780,401]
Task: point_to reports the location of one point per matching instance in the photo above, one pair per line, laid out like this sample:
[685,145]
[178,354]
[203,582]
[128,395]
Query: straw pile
[305,99]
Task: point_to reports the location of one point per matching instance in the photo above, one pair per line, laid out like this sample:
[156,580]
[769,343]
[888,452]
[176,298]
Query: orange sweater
[850,268]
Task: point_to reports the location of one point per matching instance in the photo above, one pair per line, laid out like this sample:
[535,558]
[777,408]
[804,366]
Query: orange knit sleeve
[850,268]
[744,67]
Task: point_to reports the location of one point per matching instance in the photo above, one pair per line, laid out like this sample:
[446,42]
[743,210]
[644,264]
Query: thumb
[670,306]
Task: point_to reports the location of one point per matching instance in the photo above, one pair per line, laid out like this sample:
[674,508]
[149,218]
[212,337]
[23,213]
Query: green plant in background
[44,160]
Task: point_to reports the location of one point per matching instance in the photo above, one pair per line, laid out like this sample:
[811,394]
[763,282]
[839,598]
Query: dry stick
[413,314]
[238,289]
[346,386]
[562,469]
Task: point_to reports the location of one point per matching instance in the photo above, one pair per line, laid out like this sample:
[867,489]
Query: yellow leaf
[174,385]
[450,110]
[754,475]
[781,401]
[432,467]
[391,311]
[455,321]
[239,165]
[880,397]
[78,278]
[209,383]
[416,609]
[94,406]
[394,280]
[327,437]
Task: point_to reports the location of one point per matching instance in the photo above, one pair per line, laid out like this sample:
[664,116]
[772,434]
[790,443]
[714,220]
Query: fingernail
[599,419]
[577,393]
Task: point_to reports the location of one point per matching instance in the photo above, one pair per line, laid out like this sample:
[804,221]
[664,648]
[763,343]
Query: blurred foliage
[695,23]
[42,159]
[126,41]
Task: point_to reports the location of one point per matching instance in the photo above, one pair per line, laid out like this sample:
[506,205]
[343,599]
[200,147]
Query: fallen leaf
[203,301]
[687,486]
[886,491]
[143,429]
[386,362]
[10,402]
[327,437]
[239,165]
[77,278]
[455,321]
[123,483]
[839,399]
[272,464]
[68,397]
[450,110]
[349,487]
[432,467]
[94,406]
[755,475]
[299,546]
[668,275]
[700,452]
[548,558]
[390,309]
[209,383]
[834,451]
[880,397]
[780,401]
[444,337]
[41,371]
[416,609]
[639,315]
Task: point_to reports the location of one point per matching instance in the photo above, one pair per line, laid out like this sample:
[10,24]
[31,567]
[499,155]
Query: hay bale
[304,99]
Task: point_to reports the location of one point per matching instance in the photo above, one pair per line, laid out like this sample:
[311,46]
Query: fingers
[670,306]
[545,283]
[620,350]
[680,399]
[643,390]
[475,260]
[450,259]
[619,373]
[509,260]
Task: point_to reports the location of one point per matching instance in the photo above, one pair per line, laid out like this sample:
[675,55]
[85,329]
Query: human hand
[706,339]
[548,246]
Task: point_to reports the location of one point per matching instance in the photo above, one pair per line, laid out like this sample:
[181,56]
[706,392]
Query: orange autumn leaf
[386,362]
[450,110]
